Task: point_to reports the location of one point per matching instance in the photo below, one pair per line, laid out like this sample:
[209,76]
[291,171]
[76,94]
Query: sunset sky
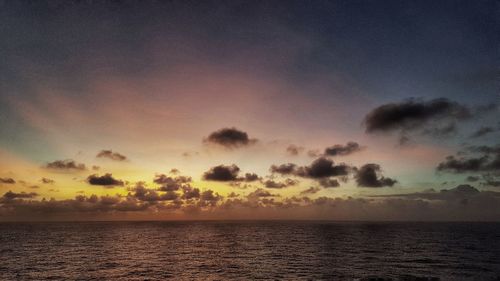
[348,110]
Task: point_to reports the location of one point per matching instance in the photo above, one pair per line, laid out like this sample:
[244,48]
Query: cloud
[111,155]
[9,195]
[369,176]
[228,173]
[144,194]
[275,184]
[190,193]
[284,169]
[342,150]
[435,117]
[458,193]
[294,150]
[169,183]
[209,198]
[323,168]
[483,159]
[7,180]
[65,165]
[318,169]
[230,138]
[222,173]
[310,190]
[47,181]
[327,183]
[259,193]
[105,180]
[249,177]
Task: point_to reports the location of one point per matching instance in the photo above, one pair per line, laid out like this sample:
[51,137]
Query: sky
[323,110]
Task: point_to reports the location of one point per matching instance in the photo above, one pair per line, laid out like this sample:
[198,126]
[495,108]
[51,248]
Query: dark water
[249,251]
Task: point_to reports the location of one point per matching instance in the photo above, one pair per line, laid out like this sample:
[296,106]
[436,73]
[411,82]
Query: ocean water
[249,251]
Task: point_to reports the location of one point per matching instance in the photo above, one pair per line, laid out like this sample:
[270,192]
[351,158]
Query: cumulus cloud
[222,173]
[169,183]
[369,175]
[284,169]
[7,180]
[249,177]
[476,159]
[66,165]
[460,203]
[327,183]
[323,168]
[276,184]
[209,198]
[104,180]
[230,138]
[318,169]
[228,173]
[342,150]
[9,195]
[435,117]
[111,155]
[144,194]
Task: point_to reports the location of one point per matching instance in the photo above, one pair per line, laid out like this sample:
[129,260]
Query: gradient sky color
[152,80]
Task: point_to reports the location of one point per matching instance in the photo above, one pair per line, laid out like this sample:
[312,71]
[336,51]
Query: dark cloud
[435,117]
[275,184]
[169,183]
[461,165]
[323,168]
[111,155]
[209,198]
[310,190]
[9,195]
[47,181]
[319,168]
[294,150]
[369,175]
[144,194]
[228,173]
[222,173]
[249,177]
[483,159]
[327,183]
[230,138]
[342,150]
[482,132]
[105,180]
[65,165]
[190,193]
[284,169]
[413,114]
[7,180]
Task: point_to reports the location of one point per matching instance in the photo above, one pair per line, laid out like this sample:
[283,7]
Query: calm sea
[249,251]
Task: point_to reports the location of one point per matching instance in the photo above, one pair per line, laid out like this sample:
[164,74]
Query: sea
[249,250]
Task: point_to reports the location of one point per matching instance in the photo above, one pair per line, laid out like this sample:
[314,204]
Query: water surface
[249,251]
